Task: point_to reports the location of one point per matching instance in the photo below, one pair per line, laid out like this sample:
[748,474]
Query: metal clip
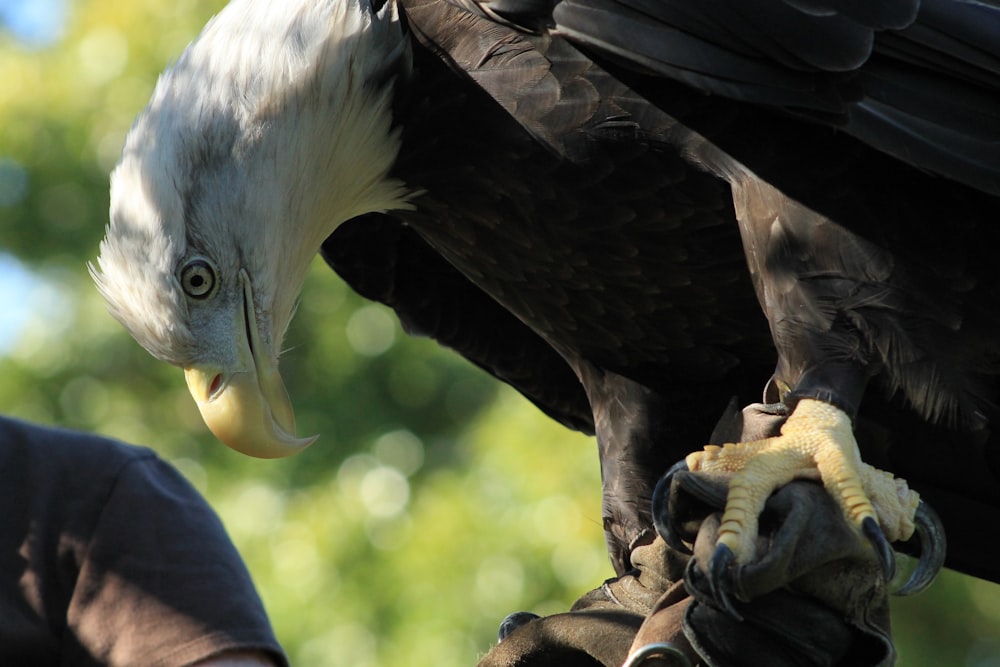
[658,649]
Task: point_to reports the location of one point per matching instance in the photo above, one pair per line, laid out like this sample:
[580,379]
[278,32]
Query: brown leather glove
[602,624]
[813,596]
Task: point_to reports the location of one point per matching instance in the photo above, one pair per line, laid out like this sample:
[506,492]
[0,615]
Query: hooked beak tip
[247,407]
[236,411]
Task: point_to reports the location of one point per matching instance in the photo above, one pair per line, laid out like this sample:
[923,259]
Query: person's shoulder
[243,658]
[54,446]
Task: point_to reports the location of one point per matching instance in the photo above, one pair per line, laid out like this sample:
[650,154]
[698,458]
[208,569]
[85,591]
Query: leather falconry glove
[813,595]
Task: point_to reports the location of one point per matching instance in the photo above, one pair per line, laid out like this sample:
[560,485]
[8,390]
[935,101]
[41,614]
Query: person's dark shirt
[108,556]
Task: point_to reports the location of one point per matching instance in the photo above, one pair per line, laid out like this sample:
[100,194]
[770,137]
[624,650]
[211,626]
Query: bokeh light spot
[371,331]
[401,450]
[103,55]
[499,584]
[384,492]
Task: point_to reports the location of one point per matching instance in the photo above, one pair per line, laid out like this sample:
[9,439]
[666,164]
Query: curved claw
[662,519]
[513,622]
[718,578]
[933,548]
[886,556]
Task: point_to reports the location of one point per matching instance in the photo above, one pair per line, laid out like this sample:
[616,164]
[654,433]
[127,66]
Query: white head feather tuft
[271,129]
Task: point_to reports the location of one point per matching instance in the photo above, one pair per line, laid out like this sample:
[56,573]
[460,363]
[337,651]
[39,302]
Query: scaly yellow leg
[816,442]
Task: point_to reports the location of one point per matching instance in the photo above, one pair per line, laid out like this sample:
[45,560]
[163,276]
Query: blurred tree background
[436,500]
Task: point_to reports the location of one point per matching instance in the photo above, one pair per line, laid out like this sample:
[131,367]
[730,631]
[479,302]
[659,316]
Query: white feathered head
[270,130]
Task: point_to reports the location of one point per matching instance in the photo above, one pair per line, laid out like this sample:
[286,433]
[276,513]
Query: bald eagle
[630,210]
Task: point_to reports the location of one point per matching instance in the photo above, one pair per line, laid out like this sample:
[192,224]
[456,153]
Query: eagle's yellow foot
[816,442]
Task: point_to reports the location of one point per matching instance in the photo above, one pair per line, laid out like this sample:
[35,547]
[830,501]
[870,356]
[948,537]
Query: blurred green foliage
[435,502]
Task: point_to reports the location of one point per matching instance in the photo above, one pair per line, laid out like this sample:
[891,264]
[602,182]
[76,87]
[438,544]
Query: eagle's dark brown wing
[579,162]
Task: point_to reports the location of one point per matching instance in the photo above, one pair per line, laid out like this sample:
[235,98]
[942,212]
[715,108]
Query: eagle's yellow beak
[247,407]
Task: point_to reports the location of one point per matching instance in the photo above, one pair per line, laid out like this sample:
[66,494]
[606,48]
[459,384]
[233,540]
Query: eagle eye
[198,279]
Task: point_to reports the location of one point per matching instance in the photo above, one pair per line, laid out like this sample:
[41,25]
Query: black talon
[662,519]
[513,622]
[933,548]
[886,556]
[719,577]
